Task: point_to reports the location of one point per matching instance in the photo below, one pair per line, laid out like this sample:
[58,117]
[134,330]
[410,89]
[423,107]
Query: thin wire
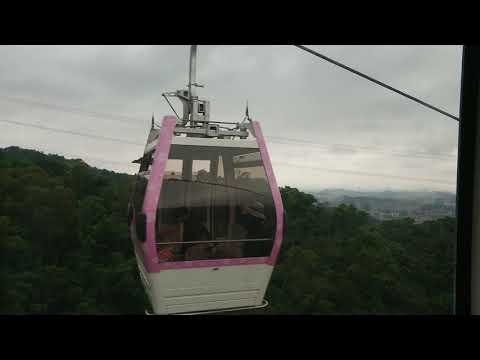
[376,81]
[354,148]
[352,172]
[427,155]
[94,114]
[98,137]
[113,162]
[78,157]
[171,106]
[363,173]
[55,107]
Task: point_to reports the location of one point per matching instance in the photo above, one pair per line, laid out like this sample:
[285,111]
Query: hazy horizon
[305,189]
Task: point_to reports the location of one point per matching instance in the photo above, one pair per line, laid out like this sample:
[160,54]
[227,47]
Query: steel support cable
[356,72]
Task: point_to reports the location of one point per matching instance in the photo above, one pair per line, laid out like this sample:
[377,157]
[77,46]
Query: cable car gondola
[206,215]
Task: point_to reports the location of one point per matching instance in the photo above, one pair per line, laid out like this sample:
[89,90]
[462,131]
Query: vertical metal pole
[474,58]
[192,75]
[193,71]
[467,276]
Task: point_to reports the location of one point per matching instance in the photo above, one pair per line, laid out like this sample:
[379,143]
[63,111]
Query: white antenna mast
[192,77]
[194,110]
[195,120]
[198,109]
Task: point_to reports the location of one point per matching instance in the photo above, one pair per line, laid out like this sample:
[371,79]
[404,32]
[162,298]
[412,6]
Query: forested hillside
[65,249]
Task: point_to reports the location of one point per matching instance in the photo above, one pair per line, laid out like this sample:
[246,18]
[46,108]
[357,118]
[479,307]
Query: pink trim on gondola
[152,197]
[277,198]
[154,187]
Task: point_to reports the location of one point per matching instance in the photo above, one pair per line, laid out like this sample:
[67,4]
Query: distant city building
[420,206]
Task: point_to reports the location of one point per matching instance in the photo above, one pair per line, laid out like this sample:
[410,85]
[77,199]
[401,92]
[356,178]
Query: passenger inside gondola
[171,231]
[203,176]
[195,231]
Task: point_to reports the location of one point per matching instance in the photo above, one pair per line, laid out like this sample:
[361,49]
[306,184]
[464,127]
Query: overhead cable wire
[76,133]
[97,159]
[72,157]
[369,174]
[72,110]
[417,154]
[357,148]
[171,106]
[356,72]
[342,171]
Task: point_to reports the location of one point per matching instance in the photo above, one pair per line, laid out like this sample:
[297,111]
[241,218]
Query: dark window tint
[215,203]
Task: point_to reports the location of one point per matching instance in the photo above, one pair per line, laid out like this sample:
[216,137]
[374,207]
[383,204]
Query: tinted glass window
[215,203]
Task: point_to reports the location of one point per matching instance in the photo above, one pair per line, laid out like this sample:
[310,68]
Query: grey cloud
[292,93]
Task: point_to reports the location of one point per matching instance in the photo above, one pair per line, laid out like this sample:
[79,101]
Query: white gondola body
[193,280]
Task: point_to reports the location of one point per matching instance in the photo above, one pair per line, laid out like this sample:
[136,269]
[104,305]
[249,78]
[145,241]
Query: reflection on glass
[215,203]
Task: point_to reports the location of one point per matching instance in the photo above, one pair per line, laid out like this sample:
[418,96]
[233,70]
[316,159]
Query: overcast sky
[360,130]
